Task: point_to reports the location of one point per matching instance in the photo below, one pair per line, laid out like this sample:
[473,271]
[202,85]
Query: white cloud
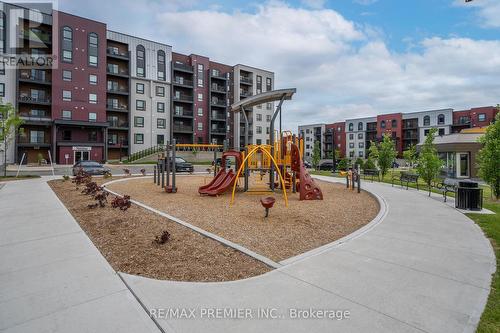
[488,11]
[316,4]
[364,2]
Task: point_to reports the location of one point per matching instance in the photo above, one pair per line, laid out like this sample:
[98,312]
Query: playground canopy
[265,97]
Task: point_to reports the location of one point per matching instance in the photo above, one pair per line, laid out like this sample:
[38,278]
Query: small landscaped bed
[127,241]
[288,231]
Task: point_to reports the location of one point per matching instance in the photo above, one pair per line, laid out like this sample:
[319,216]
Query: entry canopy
[266,97]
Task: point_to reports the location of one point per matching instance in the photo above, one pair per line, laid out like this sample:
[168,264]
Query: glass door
[81,156]
[462,165]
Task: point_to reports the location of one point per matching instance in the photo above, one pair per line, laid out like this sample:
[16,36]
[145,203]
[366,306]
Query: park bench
[372,173]
[445,186]
[407,178]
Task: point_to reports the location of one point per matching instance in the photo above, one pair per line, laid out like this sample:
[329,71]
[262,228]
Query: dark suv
[182,166]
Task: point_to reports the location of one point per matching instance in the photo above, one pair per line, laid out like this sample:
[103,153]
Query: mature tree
[410,155]
[316,156]
[9,125]
[386,154]
[429,163]
[489,156]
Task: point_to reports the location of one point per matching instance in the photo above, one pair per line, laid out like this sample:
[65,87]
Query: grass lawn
[490,319]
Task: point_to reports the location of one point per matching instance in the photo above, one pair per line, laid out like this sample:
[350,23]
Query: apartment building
[312,134]
[334,138]
[359,132]
[250,81]
[111,94]
[474,117]
[138,93]
[201,94]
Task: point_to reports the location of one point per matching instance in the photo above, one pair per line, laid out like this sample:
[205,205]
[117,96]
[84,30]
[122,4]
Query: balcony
[180,81]
[219,103]
[462,122]
[218,89]
[118,90]
[33,100]
[34,76]
[36,36]
[35,120]
[114,144]
[117,108]
[246,80]
[185,98]
[218,130]
[117,53]
[218,116]
[183,67]
[182,128]
[117,124]
[35,141]
[183,113]
[245,94]
[215,74]
[120,72]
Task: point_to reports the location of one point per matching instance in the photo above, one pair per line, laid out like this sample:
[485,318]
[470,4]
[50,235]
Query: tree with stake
[386,154]
[9,125]
[429,163]
[316,156]
[410,155]
[373,151]
[489,156]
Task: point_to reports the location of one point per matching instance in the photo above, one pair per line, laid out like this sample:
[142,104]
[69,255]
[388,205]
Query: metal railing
[182,97]
[218,102]
[182,128]
[183,113]
[30,99]
[246,79]
[183,66]
[183,81]
[118,90]
[118,123]
[114,52]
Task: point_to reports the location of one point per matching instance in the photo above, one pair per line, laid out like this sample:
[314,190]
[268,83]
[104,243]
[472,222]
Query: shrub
[126,172]
[81,177]
[163,238]
[143,172]
[343,164]
[121,202]
[360,162]
[106,175]
[91,188]
[65,177]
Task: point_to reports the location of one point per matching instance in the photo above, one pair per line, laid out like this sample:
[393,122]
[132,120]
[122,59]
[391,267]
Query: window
[360,154]
[139,88]
[2,32]
[140,105]
[481,117]
[259,84]
[258,141]
[140,61]
[426,132]
[93,79]
[112,103]
[93,98]
[200,112]
[67,44]
[160,139]
[93,136]
[441,131]
[161,123]
[259,129]
[66,95]
[267,130]
[360,135]
[200,75]
[351,127]
[93,49]
[67,75]
[351,145]
[160,107]
[66,135]
[139,138]
[161,65]
[259,117]
[269,84]
[2,89]
[382,124]
[66,114]
[361,145]
[37,136]
[351,153]
[351,136]
[360,126]
[200,126]
[2,68]
[200,97]
[92,116]
[138,121]
[268,118]
[160,91]
[441,119]
[269,106]
[427,121]
[394,123]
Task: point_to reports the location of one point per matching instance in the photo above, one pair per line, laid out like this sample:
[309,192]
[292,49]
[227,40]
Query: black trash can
[469,196]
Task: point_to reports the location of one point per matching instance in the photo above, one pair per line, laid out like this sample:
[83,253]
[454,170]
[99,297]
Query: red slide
[217,178]
[227,182]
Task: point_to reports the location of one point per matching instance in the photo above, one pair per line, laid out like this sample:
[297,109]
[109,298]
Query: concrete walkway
[52,278]
[425,268]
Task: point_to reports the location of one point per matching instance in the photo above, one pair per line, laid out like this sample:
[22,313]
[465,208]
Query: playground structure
[280,161]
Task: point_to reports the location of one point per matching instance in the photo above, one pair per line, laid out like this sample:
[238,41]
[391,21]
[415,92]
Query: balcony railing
[183,98]
[30,99]
[221,130]
[115,144]
[28,117]
[244,79]
[462,122]
[35,76]
[246,93]
[112,107]
[183,67]
[36,36]
[183,113]
[120,71]
[119,53]
[122,90]
[38,140]
[218,116]
[217,88]
[182,128]
[218,102]
[183,81]
[118,123]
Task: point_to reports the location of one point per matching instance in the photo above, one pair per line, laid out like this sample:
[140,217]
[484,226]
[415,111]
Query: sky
[347,58]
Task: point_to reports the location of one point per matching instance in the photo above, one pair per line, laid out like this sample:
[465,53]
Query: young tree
[429,163]
[489,157]
[386,154]
[343,164]
[316,156]
[410,155]
[9,125]
[373,151]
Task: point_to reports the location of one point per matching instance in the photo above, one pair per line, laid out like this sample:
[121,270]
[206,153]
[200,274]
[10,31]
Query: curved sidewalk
[425,268]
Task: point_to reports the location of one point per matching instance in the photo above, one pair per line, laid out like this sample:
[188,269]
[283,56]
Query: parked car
[91,167]
[326,165]
[395,165]
[218,162]
[181,165]
[307,164]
